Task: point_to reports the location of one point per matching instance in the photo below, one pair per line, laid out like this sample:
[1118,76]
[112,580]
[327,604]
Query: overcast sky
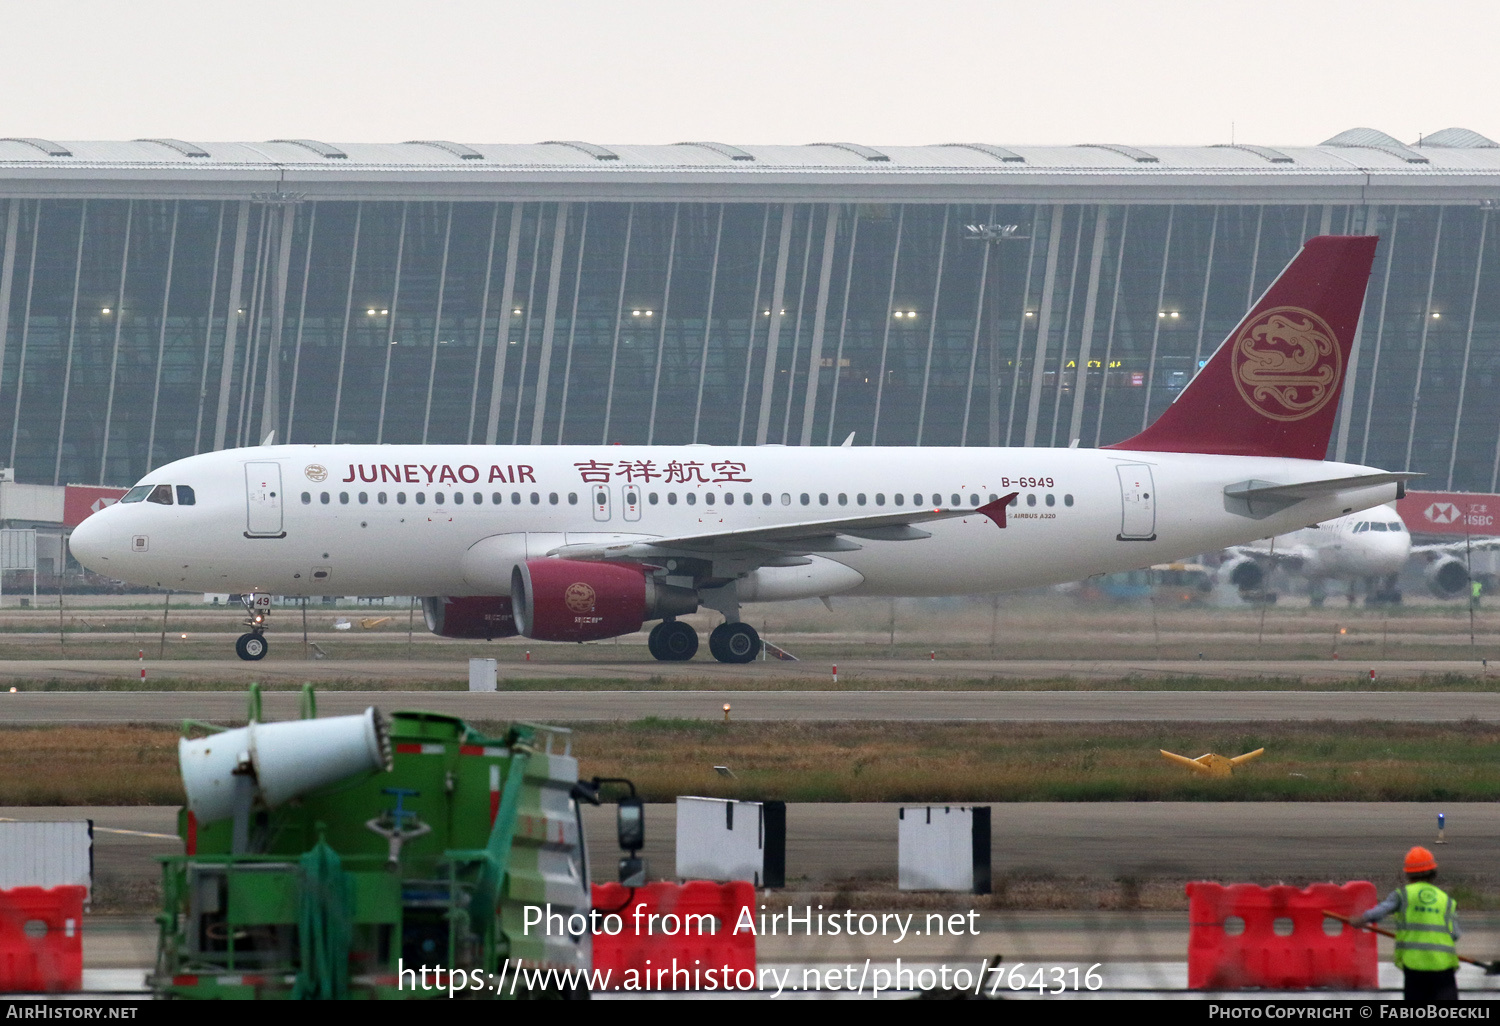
[775,71]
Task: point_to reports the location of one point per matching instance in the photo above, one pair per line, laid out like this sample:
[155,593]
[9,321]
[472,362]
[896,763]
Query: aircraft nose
[89,542]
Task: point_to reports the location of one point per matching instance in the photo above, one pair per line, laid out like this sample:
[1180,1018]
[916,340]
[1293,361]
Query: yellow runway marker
[1212,765]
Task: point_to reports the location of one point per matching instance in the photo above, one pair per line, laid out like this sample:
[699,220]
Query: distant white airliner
[1368,548]
[577,543]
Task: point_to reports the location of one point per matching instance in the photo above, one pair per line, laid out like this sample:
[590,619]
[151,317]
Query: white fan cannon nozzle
[289,759]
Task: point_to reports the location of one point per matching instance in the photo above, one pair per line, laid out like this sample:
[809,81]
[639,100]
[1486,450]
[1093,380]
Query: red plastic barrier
[672,935]
[41,939]
[1306,957]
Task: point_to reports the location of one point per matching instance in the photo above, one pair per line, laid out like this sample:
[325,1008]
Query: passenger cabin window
[136,494]
[161,494]
[185,496]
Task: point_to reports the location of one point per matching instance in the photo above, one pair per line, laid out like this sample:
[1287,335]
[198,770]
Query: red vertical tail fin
[1272,388]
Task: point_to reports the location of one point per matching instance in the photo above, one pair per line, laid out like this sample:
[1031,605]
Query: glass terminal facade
[135,331]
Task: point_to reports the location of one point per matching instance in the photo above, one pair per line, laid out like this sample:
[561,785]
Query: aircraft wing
[772,545]
[1291,556]
[1486,544]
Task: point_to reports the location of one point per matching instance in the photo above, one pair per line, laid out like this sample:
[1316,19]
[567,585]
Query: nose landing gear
[252,646]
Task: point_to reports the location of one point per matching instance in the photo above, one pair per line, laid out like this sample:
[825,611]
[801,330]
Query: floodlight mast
[994,234]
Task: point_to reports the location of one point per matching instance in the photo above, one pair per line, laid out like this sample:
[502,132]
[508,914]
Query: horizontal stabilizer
[1260,499]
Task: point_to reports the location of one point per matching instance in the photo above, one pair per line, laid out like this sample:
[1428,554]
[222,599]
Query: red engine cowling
[482,616]
[576,600]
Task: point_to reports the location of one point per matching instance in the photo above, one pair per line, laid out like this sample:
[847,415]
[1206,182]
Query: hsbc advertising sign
[1451,513]
[80,502]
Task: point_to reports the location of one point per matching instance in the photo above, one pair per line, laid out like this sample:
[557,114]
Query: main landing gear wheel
[251,647]
[734,643]
[672,641]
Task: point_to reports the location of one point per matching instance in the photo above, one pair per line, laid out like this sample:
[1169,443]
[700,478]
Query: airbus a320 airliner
[578,543]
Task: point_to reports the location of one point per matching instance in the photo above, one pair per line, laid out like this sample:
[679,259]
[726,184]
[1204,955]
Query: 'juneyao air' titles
[407,473]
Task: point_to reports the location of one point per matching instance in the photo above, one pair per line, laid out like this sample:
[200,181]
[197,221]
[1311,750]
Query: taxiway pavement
[995,706]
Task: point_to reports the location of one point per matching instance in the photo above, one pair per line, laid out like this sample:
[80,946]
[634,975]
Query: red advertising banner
[1453,513]
[81,500]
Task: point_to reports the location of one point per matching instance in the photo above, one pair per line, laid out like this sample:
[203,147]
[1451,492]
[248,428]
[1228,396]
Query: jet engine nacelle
[479,616]
[1447,578]
[577,600]
[1244,573]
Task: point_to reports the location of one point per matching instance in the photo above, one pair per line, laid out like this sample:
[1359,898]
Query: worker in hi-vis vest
[1426,930]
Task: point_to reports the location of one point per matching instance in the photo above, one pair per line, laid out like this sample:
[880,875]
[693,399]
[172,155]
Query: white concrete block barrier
[720,839]
[944,848]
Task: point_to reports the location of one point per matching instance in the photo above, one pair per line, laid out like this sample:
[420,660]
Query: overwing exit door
[1137,502]
[600,497]
[263,500]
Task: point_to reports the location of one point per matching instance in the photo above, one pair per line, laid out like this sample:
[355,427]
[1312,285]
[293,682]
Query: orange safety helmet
[1420,860]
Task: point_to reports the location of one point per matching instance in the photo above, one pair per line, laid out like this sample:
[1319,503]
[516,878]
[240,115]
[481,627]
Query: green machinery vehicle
[339,857]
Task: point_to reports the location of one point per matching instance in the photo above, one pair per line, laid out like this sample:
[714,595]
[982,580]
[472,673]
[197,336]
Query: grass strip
[881,762]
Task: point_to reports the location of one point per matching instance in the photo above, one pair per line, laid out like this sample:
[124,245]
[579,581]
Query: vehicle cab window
[161,494]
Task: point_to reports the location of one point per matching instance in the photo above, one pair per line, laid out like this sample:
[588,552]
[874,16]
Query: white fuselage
[387,519]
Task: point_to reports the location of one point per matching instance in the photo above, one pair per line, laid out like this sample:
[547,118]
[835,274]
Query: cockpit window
[1361,527]
[1397,526]
[161,494]
[1377,525]
[185,496]
[136,494]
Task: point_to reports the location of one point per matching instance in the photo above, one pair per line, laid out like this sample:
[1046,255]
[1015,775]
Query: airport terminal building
[160,297]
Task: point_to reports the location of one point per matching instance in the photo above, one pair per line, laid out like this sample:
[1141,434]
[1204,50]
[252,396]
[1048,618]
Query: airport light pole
[993,235]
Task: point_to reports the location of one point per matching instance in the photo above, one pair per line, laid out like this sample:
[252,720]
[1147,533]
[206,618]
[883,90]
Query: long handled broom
[1490,968]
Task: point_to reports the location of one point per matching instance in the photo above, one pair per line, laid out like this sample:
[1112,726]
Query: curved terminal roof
[1356,166]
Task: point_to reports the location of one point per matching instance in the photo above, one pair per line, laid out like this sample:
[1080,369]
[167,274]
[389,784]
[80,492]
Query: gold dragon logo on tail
[1287,363]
